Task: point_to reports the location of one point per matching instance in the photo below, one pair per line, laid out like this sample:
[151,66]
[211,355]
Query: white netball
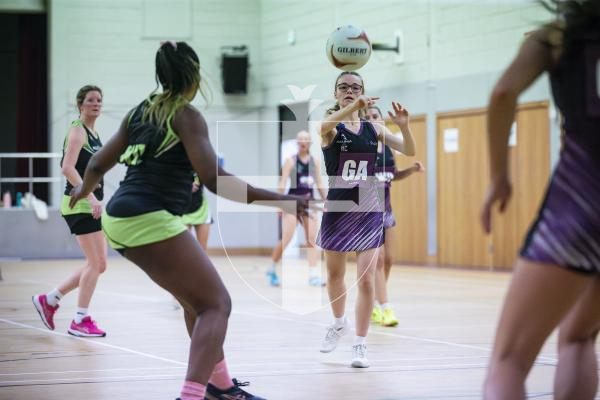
[348,48]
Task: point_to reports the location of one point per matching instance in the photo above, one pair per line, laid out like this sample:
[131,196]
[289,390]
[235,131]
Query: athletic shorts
[199,217]
[140,230]
[81,224]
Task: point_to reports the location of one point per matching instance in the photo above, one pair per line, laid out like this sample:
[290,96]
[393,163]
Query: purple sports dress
[353,220]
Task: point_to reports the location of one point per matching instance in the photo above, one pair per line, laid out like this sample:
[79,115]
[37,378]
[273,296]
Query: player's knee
[335,276]
[576,338]
[223,304]
[366,283]
[387,261]
[98,265]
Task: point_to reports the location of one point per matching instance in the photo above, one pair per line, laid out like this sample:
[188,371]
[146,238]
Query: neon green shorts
[199,217]
[152,227]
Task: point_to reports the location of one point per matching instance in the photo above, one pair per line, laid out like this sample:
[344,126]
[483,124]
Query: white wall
[454,51]
[112,44]
[443,39]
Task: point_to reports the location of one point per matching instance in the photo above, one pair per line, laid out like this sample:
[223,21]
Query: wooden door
[462,171]
[530,170]
[463,177]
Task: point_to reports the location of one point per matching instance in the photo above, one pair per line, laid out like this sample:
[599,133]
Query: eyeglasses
[342,87]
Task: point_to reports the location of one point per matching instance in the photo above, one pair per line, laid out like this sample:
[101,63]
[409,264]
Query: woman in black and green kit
[81,143]
[164,140]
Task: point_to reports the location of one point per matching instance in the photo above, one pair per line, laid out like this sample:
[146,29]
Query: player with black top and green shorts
[81,143]
[163,141]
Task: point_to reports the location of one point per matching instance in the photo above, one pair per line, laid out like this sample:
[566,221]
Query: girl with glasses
[353,217]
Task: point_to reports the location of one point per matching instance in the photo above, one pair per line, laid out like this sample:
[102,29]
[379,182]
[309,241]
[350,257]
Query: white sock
[359,340]
[80,314]
[314,272]
[385,306]
[340,322]
[272,267]
[376,305]
[54,297]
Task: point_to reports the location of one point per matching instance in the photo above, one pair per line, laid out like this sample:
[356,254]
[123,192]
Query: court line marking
[436,341]
[243,365]
[162,301]
[102,344]
[390,334]
[312,371]
[129,296]
[376,332]
[130,350]
[345,369]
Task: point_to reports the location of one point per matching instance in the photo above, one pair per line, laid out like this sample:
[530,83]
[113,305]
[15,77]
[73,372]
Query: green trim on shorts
[199,217]
[83,206]
[140,230]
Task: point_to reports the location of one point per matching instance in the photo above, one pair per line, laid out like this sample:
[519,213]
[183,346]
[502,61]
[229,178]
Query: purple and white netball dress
[567,230]
[353,217]
[305,177]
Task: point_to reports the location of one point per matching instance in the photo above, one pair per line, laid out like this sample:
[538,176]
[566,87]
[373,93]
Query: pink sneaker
[45,310]
[87,328]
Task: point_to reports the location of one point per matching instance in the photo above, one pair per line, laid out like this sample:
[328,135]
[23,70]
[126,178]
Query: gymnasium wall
[112,44]
[454,52]
[443,40]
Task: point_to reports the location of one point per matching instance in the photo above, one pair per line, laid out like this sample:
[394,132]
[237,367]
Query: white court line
[466,346]
[246,365]
[89,371]
[96,342]
[129,296]
[279,372]
[391,334]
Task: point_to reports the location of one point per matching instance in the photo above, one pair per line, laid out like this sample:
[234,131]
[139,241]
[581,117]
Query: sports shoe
[233,393]
[273,278]
[45,310]
[333,336]
[376,315]
[359,356]
[316,281]
[388,317]
[87,328]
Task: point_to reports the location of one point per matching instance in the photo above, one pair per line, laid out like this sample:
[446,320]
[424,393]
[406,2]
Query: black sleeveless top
[159,175]
[90,147]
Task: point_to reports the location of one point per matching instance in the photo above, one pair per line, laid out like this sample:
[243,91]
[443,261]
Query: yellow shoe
[388,318]
[376,315]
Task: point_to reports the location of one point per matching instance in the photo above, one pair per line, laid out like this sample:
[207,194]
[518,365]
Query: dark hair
[572,16]
[178,72]
[336,107]
[81,93]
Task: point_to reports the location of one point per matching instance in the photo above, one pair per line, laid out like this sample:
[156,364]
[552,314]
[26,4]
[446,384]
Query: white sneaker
[333,336]
[359,356]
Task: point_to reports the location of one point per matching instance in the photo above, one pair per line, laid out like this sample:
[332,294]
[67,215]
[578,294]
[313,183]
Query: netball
[348,48]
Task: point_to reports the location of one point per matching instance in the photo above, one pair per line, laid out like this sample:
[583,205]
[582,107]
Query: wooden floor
[439,351]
